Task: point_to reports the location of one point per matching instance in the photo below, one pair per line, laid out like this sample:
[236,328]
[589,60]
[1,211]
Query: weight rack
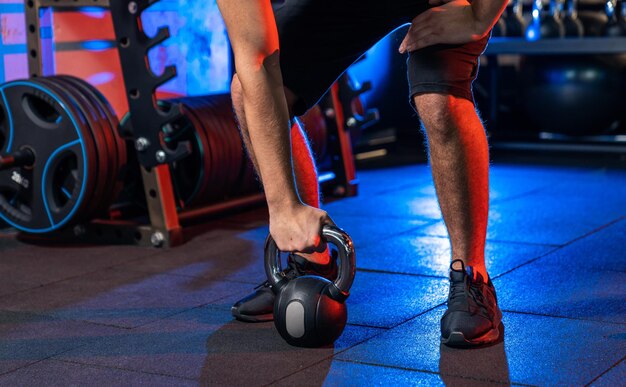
[147,119]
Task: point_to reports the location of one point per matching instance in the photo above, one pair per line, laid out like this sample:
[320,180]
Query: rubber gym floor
[121,315]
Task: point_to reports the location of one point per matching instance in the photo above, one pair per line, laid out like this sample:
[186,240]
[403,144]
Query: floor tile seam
[419,370]
[108,367]
[334,355]
[403,187]
[127,328]
[369,326]
[519,195]
[606,372]
[139,271]
[529,313]
[49,357]
[532,260]
[58,281]
[596,230]
[410,319]
[428,223]
[524,243]
[5,373]
[559,247]
[387,216]
[56,318]
[378,271]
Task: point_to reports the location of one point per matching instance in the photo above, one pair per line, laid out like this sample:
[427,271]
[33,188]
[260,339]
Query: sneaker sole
[252,319]
[458,340]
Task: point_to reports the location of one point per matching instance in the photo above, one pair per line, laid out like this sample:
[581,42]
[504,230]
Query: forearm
[267,120]
[252,31]
[487,12]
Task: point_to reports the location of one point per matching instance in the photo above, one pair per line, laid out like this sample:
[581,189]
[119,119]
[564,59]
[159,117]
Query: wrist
[284,205]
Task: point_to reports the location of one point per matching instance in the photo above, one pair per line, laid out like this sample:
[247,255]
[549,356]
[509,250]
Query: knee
[441,115]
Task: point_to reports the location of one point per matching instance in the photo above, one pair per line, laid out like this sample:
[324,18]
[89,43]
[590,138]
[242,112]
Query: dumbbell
[573,26]
[514,19]
[616,12]
[310,311]
[545,25]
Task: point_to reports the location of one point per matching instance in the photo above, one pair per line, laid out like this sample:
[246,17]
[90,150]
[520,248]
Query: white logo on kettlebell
[294,319]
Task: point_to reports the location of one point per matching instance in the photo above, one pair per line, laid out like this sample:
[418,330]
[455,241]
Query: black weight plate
[212,125]
[122,150]
[105,146]
[221,106]
[112,186]
[220,120]
[188,174]
[215,145]
[93,124]
[48,195]
[204,161]
[86,207]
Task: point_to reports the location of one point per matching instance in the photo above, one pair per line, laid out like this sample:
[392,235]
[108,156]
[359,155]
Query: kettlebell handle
[340,288]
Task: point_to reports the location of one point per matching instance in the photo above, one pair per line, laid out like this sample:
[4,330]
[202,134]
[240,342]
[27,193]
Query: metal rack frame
[147,119]
[564,46]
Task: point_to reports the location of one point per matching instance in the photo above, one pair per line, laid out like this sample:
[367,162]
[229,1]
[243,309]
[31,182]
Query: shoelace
[472,289]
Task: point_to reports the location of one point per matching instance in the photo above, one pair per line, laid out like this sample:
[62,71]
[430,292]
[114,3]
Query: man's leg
[441,79]
[459,158]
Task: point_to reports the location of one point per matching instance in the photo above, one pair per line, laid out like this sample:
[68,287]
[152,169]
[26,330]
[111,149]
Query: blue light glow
[97,45]
[94,12]
[101,78]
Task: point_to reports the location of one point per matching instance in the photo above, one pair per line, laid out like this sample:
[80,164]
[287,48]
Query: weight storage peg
[310,311]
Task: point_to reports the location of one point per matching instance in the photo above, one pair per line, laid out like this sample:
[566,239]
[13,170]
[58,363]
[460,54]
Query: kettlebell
[515,24]
[616,12]
[310,311]
[573,26]
[545,25]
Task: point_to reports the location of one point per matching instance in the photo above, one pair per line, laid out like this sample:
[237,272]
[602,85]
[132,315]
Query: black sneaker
[259,305]
[473,317]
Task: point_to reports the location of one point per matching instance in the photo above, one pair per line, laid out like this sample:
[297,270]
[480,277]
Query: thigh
[319,39]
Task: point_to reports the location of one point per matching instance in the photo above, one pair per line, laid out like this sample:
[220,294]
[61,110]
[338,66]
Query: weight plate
[102,195]
[217,148]
[189,174]
[213,122]
[108,125]
[206,188]
[50,193]
[221,109]
[122,148]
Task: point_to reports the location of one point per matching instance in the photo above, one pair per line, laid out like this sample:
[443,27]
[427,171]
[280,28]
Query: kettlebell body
[306,315]
[310,311]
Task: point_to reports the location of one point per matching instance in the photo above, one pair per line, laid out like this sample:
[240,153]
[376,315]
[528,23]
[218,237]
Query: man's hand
[452,22]
[299,229]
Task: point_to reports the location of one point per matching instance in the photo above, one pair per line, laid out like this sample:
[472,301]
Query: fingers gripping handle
[347,261]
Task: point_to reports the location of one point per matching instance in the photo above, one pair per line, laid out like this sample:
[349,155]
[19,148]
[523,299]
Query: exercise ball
[573,94]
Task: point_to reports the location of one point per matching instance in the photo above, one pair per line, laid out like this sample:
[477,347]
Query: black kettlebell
[515,24]
[310,311]
[616,12]
[573,26]
[545,25]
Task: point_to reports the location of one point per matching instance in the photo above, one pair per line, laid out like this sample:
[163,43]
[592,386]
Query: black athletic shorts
[320,39]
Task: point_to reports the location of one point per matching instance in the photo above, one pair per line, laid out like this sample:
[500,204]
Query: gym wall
[82,43]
